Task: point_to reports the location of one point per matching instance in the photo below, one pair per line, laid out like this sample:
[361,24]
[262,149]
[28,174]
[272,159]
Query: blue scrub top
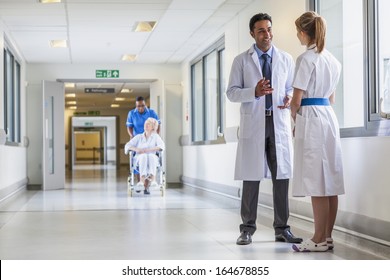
[136,120]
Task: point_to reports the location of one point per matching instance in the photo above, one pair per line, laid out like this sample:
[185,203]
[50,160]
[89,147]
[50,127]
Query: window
[197,102]
[345,40]
[207,98]
[384,56]
[11,97]
[357,36]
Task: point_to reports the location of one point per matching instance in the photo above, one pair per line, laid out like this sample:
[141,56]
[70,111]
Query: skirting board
[10,190]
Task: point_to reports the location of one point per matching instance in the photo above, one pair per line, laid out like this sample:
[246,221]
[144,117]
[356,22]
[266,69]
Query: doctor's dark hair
[140,98]
[258,17]
[314,26]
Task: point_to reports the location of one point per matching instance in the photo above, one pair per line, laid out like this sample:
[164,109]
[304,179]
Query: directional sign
[107,73]
[99,90]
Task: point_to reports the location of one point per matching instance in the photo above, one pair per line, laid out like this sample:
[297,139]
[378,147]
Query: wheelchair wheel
[162,188]
[162,191]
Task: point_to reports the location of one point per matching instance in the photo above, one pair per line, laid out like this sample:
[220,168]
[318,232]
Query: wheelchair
[160,175]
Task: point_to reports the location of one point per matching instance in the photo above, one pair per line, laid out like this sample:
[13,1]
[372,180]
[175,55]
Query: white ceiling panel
[169,41]
[102,31]
[107,27]
[118,1]
[195,5]
[154,57]
[184,20]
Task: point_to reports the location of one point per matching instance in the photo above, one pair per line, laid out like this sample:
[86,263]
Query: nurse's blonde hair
[153,122]
[314,26]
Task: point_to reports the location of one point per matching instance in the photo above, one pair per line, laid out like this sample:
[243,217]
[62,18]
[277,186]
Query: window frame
[218,47]
[12,96]
[374,124]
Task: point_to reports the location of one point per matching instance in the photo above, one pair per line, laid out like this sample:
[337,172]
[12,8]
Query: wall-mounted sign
[89,113]
[99,90]
[107,73]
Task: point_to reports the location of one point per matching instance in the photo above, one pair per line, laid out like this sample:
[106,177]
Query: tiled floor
[94,218]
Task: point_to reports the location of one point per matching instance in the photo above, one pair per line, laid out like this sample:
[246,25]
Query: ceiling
[102,31]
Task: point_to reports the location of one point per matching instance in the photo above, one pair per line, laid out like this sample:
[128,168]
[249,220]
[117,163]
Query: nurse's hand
[286,102]
[263,87]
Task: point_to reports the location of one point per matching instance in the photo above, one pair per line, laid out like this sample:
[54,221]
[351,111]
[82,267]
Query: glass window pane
[197,102]
[222,90]
[9,66]
[17,102]
[384,53]
[345,41]
[211,96]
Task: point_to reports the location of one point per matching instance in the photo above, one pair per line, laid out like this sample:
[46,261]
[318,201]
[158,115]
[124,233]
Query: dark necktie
[267,75]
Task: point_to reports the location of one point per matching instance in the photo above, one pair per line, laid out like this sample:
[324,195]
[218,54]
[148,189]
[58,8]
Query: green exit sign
[107,73]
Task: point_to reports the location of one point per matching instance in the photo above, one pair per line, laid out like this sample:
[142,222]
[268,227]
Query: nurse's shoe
[310,246]
[329,242]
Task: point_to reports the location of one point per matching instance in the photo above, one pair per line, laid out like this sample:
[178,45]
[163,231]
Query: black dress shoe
[245,238]
[288,237]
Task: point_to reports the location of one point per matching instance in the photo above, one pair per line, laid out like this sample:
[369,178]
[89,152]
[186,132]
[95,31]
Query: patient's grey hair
[153,122]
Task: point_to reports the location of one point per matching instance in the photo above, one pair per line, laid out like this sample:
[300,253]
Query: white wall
[13,174]
[365,159]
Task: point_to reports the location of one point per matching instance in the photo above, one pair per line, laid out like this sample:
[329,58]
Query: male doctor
[261,80]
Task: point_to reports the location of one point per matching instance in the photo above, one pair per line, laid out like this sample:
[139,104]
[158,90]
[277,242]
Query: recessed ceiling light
[69,85]
[70,95]
[114,105]
[73,107]
[145,26]
[119,99]
[49,1]
[127,90]
[129,57]
[71,102]
[58,44]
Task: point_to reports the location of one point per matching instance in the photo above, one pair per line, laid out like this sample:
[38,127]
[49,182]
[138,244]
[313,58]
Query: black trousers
[250,191]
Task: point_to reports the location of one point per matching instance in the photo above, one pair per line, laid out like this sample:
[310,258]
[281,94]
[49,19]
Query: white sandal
[329,242]
[309,246]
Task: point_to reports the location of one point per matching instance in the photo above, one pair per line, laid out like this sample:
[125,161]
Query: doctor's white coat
[251,164]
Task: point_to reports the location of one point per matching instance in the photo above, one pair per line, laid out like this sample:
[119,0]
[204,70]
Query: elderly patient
[146,145]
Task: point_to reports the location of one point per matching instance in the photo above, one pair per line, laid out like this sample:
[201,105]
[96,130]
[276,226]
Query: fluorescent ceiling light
[58,44]
[129,57]
[145,26]
[70,95]
[71,102]
[119,99]
[73,107]
[49,1]
[69,85]
[127,90]
[114,105]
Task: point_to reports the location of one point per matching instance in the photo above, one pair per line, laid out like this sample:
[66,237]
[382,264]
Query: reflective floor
[95,218]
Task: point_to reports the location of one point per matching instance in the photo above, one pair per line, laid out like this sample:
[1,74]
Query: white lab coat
[318,168]
[251,164]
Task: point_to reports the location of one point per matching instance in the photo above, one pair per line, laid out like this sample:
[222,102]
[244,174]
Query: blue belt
[315,102]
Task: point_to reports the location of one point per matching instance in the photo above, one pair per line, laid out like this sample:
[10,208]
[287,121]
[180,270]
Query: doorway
[94,142]
[90,146]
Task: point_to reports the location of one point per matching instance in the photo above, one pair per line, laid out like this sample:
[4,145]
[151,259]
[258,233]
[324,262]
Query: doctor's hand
[263,87]
[286,102]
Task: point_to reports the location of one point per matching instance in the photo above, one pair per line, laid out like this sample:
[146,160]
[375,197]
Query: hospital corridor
[139,130]
[93,218]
